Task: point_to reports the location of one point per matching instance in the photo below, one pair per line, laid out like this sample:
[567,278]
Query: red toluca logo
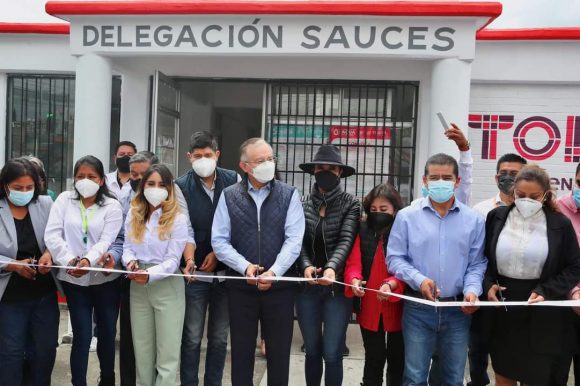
[491,124]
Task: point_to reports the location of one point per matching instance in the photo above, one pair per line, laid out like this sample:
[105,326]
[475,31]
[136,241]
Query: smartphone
[443,121]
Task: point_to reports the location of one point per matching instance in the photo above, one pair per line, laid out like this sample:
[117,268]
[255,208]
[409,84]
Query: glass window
[372,123]
[40,122]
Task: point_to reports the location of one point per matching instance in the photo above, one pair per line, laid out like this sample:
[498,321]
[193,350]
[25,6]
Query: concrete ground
[353,364]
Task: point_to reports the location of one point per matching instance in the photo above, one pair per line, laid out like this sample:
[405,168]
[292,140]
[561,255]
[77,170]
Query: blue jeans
[323,316]
[103,299]
[199,296]
[34,321]
[426,330]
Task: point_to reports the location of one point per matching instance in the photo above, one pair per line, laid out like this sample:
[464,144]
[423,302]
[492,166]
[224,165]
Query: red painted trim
[530,34]
[316,7]
[35,28]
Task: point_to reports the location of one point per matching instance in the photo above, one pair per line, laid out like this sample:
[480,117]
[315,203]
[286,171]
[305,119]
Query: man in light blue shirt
[257,233]
[437,249]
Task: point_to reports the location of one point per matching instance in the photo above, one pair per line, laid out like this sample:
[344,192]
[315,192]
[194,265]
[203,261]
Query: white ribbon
[478,303]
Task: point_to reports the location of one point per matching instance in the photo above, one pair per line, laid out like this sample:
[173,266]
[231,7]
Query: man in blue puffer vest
[257,232]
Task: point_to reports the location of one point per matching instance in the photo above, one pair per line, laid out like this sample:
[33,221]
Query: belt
[417,294]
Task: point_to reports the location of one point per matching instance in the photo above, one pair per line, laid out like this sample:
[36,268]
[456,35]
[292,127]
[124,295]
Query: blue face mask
[424,191]
[440,191]
[20,198]
[576,195]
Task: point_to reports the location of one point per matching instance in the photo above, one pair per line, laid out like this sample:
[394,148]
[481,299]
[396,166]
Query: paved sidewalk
[353,364]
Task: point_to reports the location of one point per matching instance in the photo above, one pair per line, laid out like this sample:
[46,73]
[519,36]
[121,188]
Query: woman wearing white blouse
[82,225]
[156,236]
[533,255]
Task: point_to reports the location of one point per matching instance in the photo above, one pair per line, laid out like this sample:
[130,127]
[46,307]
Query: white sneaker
[93,346]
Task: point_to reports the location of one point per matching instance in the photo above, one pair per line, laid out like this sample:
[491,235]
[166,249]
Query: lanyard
[86,216]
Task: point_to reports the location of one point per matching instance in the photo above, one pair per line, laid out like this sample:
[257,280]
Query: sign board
[274,34]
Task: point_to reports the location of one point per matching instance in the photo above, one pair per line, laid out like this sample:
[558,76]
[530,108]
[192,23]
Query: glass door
[165,120]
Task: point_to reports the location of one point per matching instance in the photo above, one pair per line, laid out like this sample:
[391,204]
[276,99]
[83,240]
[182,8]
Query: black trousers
[577,369]
[126,350]
[275,311]
[378,351]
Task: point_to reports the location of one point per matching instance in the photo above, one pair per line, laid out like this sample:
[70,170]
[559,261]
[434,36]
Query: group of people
[177,240]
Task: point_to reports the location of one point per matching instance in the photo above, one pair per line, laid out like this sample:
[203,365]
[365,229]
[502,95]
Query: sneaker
[93,346]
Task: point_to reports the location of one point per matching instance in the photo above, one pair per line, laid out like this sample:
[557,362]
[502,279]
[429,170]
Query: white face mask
[204,167]
[528,206]
[155,196]
[87,188]
[264,172]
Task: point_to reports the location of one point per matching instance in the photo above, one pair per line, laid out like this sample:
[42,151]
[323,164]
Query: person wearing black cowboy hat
[332,221]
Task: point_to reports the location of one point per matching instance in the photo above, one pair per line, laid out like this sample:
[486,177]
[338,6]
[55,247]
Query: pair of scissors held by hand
[500,293]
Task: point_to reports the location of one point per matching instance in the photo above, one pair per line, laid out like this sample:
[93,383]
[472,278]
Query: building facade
[366,76]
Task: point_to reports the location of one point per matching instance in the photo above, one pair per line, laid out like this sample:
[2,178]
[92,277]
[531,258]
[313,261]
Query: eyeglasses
[261,161]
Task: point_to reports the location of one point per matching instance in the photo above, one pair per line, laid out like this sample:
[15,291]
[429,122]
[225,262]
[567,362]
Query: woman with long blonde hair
[156,236]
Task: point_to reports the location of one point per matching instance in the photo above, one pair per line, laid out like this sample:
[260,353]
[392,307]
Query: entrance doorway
[373,123]
[232,111]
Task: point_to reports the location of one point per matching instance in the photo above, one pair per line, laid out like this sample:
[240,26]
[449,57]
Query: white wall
[555,102]
[135,96]
[35,53]
[3,105]
[524,79]
[526,61]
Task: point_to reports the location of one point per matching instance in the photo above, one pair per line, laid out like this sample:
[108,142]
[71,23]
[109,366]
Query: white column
[3,109]
[450,86]
[135,107]
[93,108]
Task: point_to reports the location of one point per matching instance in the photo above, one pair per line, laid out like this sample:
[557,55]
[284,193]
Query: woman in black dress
[533,256]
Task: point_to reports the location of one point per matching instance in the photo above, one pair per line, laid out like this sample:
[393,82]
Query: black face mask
[134,184]
[326,180]
[123,164]
[380,221]
[505,183]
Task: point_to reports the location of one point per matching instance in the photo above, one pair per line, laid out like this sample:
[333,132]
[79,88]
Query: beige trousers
[157,315]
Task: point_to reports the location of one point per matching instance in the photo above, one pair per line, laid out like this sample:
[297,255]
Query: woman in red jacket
[366,267]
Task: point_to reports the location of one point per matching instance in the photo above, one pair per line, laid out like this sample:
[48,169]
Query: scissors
[135,267]
[499,291]
[434,293]
[34,266]
[73,263]
[315,275]
[102,262]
